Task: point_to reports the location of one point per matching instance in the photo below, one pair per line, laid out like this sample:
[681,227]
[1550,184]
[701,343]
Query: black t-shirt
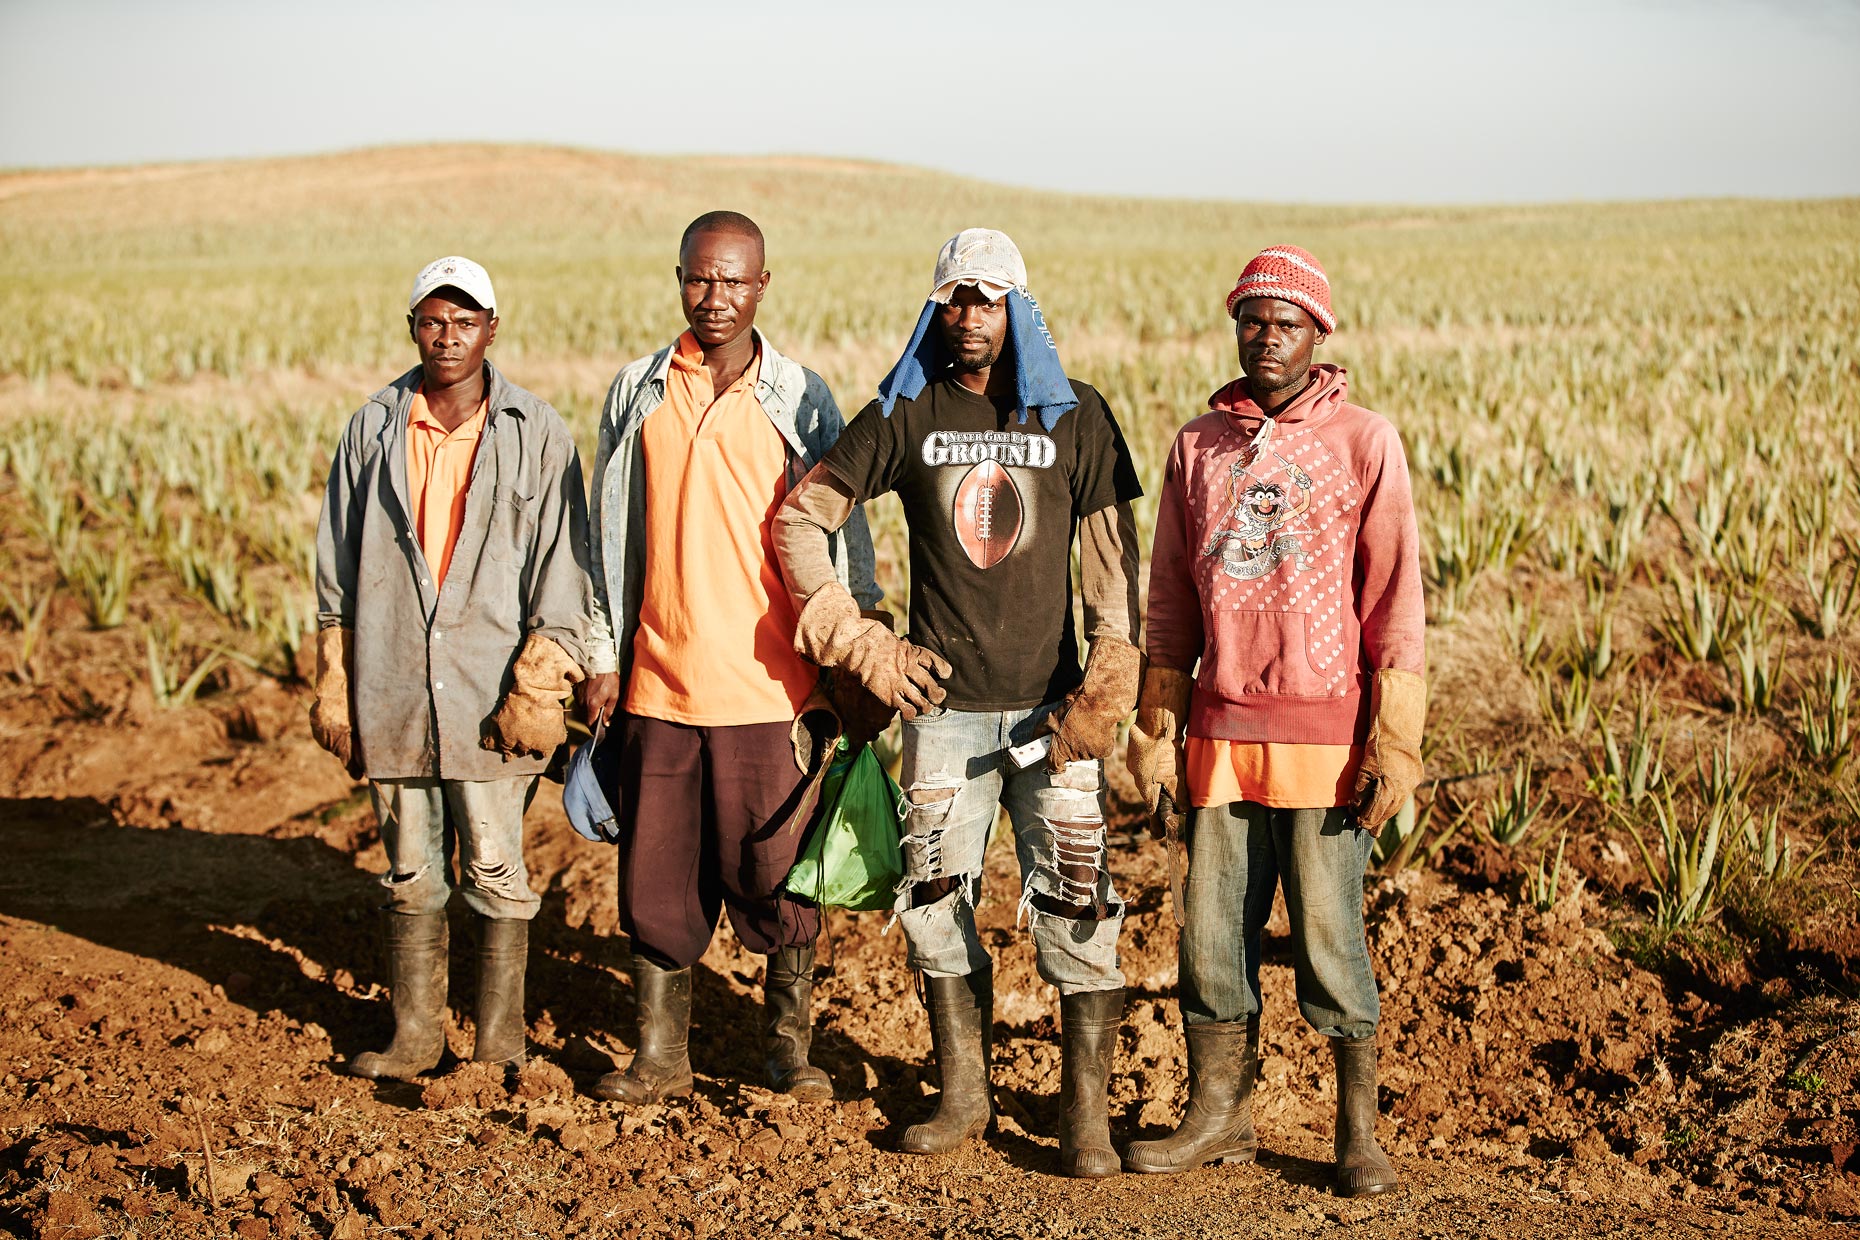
[992,503]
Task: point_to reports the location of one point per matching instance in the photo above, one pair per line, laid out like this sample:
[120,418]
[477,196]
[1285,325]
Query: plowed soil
[187,912]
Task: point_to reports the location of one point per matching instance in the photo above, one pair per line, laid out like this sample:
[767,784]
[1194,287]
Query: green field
[1632,430]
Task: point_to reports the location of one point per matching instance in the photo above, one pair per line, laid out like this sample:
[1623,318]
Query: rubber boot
[416,956]
[1223,1063]
[962,1013]
[1088,1037]
[503,957]
[1362,1167]
[661,1067]
[787,1017]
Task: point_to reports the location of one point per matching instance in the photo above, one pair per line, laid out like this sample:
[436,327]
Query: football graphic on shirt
[988,514]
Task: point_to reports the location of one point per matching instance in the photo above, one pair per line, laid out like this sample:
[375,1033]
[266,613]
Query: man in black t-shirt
[998,458]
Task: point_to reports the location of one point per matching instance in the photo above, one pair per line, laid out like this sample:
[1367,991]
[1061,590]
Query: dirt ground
[188,951]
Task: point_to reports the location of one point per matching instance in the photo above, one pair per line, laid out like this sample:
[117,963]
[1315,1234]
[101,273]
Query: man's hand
[599,697]
[1391,767]
[863,717]
[1084,727]
[904,677]
[832,632]
[1155,751]
[529,721]
[330,721]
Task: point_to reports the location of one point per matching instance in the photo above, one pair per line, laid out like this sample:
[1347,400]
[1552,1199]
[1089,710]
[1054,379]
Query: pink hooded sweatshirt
[1288,562]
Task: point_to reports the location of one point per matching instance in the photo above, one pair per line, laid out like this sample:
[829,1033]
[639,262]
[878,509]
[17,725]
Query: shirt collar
[688,357]
[419,413]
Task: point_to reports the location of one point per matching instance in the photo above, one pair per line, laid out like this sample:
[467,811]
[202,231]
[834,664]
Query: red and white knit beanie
[1287,273]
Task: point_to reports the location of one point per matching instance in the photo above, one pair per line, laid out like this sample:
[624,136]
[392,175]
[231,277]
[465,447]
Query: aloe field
[1633,430]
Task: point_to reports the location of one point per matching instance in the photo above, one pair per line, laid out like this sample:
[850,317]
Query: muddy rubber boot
[416,952]
[961,1016]
[661,1067]
[1362,1167]
[1088,1038]
[787,1018]
[503,956]
[1217,1126]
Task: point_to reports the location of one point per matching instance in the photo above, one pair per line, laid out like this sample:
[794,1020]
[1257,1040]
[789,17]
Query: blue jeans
[1237,854]
[488,817]
[956,774]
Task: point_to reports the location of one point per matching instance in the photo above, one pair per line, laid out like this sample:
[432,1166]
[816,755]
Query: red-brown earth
[188,950]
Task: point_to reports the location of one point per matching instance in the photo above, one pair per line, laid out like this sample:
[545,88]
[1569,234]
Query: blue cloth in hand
[1039,380]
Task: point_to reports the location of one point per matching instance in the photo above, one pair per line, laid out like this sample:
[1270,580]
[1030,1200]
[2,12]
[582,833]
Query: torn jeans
[956,774]
[488,817]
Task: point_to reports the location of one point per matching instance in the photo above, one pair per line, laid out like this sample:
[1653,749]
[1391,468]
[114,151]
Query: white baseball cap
[460,273]
[983,257]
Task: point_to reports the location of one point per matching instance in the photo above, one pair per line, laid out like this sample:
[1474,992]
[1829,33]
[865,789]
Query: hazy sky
[1332,101]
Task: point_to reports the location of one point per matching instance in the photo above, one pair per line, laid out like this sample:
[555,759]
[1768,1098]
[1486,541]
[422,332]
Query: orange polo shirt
[1272,773]
[715,644]
[438,474]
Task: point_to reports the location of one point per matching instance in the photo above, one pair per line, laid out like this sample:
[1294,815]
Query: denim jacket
[432,663]
[802,410]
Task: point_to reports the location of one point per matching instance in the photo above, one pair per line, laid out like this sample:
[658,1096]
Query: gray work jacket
[432,665]
[802,410]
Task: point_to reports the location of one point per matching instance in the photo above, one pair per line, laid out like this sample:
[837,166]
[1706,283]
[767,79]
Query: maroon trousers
[704,824]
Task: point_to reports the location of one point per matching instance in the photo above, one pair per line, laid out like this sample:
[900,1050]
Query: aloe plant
[1825,716]
[1544,889]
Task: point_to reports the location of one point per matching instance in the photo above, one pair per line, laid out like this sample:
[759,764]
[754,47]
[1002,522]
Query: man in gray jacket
[693,649]
[452,605]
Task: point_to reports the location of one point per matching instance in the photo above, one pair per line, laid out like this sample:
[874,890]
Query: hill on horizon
[167,270]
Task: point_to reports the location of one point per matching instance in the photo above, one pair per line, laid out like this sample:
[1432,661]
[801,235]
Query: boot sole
[1226,1158]
[1367,1190]
[369,1072]
[810,1091]
[805,1083]
[661,1094]
[973,1131]
[1075,1168]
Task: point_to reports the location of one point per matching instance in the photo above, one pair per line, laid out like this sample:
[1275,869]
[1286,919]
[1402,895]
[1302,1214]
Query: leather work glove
[330,721]
[833,633]
[529,722]
[1155,753]
[1084,727]
[840,703]
[863,715]
[1391,768]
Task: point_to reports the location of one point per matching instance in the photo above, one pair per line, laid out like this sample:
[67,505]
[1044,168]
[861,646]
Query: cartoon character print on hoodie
[1273,506]
[1267,498]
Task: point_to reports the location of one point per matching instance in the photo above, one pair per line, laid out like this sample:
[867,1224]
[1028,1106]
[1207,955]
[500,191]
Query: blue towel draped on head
[1039,380]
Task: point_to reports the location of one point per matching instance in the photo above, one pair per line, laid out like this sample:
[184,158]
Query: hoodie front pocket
[1261,652]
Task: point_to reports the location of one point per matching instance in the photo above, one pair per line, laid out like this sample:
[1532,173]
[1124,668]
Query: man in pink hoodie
[1287,565]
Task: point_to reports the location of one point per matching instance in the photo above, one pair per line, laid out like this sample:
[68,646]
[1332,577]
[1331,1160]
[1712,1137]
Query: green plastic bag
[852,860]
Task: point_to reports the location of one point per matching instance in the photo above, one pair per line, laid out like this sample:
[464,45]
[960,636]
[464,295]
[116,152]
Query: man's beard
[977,362]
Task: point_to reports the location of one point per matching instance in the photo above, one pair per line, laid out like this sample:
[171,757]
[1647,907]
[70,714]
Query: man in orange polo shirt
[693,648]
[453,610]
